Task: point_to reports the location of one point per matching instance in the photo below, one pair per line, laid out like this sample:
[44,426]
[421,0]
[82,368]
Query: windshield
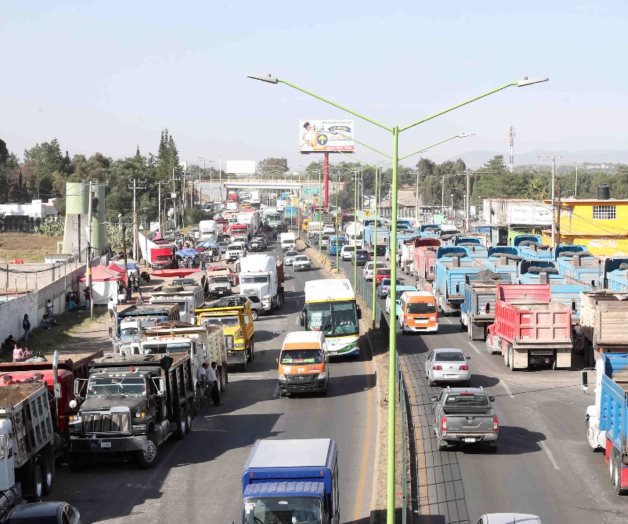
[130,386]
[219,280]
[301,258]
[167,347]
[129,332]
[415,308]
[291,253]
[383,271]
[258,279]
[277,510]
[221,321]
[301,356]
[333,318]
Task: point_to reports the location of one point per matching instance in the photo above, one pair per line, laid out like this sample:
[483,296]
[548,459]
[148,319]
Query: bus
[330,307]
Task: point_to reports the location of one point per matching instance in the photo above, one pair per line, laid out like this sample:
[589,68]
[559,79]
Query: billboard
[240,167]
[319,136]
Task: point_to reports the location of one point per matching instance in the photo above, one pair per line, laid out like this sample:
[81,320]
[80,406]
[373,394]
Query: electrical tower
[511,158]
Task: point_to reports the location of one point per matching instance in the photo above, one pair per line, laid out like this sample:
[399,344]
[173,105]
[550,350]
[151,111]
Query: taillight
[443,424]
[495,425]
[437,367]
[463,367]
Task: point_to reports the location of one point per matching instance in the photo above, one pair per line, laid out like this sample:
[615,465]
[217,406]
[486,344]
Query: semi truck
[606,418]
[530,330]
[262,276]
[130,406]
[208,230]
[293,480]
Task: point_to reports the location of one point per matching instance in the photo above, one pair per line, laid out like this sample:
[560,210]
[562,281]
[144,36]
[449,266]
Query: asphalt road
[199,478]
[544,465]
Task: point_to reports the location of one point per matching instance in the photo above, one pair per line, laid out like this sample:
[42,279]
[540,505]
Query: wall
[34,304]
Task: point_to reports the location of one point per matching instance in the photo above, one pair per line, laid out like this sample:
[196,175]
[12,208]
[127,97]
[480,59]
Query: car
[44,513]
[240,300]
[324,242]
[369,269]
[329,230]
[362,257]
[381,274]
[222,246]
[346,253]
[218,286]
[258,244]
[289,257]
[301,262]
[509,518]
[383,287]
[447,365]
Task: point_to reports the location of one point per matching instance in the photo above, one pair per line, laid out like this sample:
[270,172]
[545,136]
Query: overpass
[256,183]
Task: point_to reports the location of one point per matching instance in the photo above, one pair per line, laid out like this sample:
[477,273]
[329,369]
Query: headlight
[322,376]
[74,419]
[140,414]
[282,378]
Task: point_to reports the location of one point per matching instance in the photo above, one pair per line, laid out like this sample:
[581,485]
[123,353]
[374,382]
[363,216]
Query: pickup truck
[465,416]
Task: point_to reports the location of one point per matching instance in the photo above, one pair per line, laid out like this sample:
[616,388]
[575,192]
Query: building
[36,209]
[506,218]
[600,224]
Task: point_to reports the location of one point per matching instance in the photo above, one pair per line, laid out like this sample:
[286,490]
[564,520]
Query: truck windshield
[219,280]
[415,308]
[222,321]
[167,347]
[333,318]
[275,510]
[257,279]
[301,356]
[129,386]
[129,332]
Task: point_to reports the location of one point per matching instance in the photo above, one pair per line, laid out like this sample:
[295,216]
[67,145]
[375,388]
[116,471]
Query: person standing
[111,307]
[49,308]
[26,325]
[87,293]
[212,379]
[201,378]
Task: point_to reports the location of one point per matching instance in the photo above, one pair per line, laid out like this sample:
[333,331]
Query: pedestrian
[26,325]
[201,379]
[111,307]
[87,293]
[8,345]
[212,379]
[18,353]
[49,308]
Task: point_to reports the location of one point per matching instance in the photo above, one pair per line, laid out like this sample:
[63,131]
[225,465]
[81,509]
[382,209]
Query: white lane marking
[503,383]
[549,455]
[448,320]
[475,348]
[296,321]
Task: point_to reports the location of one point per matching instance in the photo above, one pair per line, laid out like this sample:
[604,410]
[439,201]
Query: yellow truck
[237,328]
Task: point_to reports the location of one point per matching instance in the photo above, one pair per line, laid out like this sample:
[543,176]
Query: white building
[522,212]
[36,209]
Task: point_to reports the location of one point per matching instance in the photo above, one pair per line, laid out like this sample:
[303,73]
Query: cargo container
[530,330]
[606,418]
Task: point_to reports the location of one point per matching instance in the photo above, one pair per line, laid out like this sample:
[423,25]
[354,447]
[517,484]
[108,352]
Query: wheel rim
[48,478]
[617,480]
[611,469]
[39,483]
[150,451]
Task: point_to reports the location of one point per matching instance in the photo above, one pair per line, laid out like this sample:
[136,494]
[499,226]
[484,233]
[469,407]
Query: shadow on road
[483,381]
[350,384]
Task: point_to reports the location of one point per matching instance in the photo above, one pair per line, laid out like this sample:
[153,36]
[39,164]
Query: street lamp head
[527,82]
[465,135]
[264,78]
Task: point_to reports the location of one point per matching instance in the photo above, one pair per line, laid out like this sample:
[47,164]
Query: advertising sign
[319,136]
[240,167]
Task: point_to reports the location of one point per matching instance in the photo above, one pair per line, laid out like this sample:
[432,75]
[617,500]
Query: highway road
[198,480]
[544,465]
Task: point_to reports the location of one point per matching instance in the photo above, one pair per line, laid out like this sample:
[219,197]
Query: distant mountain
[475,159]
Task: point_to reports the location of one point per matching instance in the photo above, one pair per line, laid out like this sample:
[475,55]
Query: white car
[447,365]
[289,257]
[346,253]
[369,270]
[301,262]
[329,230]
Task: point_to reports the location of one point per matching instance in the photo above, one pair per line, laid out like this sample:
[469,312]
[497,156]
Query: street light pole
[392,341]
[374,281]
[553,202]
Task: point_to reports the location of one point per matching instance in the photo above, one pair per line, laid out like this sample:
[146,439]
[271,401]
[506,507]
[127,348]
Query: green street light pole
[392,341]
[355,229]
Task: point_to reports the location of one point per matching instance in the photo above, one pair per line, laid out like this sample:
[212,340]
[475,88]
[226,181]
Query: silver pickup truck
[465,416]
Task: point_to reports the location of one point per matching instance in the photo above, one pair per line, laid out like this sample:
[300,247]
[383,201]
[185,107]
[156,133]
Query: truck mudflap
[107,445]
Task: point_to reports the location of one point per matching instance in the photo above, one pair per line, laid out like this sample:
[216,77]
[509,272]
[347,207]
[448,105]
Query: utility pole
[442,195]
[467,197]
[416,212]
[135,187]
[558,220]
[553,201]
[174,198]
[89,250]
[575,189]
[159,184]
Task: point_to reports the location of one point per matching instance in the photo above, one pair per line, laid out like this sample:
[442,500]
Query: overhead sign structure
[326,136]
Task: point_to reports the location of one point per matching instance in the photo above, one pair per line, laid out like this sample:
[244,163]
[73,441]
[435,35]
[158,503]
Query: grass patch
[28,246]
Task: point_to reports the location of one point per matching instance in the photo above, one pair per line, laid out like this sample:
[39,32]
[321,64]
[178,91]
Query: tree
[167,156]
[40,162]
[272,166]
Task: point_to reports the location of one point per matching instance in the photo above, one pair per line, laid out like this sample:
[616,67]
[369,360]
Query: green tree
[276,167]
[167,156]
[40,162]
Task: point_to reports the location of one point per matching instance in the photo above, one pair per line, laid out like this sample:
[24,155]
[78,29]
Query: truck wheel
[506,358]
[252,351]
[36,481]
[617,481]
[48,471]
[188,421]
[611,468]
[181,424]
[511,359]
[254,314]
[147,457]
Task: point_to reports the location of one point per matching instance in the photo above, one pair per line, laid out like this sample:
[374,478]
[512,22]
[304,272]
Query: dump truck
[477,311]
[452,266]
[503,260]
[293,480]
[425,259]
[606,418]
[130,406]
[530,330]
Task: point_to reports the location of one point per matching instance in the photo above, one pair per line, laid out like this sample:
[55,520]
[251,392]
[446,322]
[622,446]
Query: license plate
[451,376]
[469,440]
[105,444]
[542,352]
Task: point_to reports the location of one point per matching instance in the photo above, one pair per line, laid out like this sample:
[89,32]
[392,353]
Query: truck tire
[254,314]
[147,457]
[506,357]
[188,421]
[48,471]
[611,468]
[617,481]
[181,424]
[511,358]
[33,482]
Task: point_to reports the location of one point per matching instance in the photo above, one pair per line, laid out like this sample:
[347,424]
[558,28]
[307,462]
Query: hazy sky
[109,75]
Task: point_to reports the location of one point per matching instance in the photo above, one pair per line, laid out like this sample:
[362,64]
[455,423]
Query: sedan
[301,262]
[384,287]
[361,257]
[447,365]
[381,274]
[289,257]
[369,269]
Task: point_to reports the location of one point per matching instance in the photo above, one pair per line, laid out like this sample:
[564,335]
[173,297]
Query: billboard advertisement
[320,136]
[240,167]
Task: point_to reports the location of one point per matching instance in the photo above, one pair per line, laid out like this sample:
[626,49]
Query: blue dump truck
[607,419]
[579,266]
[477,311]
[291,481]
[539,272]
[617,279]
[531,248]
[503,260]
[430,231]
[453,264]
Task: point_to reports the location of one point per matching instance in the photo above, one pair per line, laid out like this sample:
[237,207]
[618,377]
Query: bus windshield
[278,510]
[333,318]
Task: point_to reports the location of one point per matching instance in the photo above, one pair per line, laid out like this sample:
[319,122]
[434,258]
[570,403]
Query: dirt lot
[30,247]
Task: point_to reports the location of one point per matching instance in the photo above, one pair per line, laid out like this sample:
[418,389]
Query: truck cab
[288,481]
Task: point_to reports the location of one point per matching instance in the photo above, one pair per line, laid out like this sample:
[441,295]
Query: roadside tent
[104,284]
[117,269]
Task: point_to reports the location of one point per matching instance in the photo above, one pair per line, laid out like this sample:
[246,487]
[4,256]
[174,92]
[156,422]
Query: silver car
[301,262]
[289,257]
[447,365]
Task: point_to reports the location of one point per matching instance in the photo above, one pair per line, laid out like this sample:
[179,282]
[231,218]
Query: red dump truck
[530,330]
[425,259]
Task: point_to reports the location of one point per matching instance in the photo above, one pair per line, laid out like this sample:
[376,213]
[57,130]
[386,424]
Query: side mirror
[491,398]
[359,312]
[468,357]
[433,399]
[584,381]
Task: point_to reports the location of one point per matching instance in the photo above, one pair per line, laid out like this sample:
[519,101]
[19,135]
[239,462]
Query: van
[237,328]
[303,363]
[418,312]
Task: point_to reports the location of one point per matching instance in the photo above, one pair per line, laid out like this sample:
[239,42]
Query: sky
[107,76]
